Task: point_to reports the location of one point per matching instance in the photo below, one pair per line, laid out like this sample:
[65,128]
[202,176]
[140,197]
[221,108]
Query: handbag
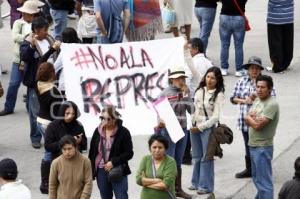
[170,194]
[115,30]
[247,24]
[168,14]
[116,173]
[224,127]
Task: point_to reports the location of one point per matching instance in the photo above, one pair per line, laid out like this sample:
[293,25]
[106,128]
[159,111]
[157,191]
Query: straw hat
[177,72]
[39,3]
[29,7]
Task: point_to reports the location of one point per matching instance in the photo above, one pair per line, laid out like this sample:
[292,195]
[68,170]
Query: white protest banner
[126,75]
[166,113]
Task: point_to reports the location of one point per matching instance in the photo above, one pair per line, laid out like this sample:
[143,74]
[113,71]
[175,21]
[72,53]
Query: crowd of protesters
[199,86]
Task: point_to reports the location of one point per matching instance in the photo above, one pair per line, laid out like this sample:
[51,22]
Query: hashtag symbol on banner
[82,59]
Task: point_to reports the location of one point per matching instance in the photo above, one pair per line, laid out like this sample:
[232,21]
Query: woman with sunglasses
[111,147]
[209,97]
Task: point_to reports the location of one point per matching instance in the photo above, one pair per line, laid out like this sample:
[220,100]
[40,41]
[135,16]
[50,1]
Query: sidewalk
[14,129]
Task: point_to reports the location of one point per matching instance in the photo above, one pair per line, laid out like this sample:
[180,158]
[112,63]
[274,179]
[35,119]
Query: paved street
[14,129]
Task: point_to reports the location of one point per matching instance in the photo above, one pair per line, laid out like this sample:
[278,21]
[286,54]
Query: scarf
[145,20]
[100,156]
[44,86]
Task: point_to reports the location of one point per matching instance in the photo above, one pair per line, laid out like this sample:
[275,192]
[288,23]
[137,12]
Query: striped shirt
[280,12]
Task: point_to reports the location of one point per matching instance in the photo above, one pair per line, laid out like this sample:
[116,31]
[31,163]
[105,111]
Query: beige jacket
[20,29]
[213,109]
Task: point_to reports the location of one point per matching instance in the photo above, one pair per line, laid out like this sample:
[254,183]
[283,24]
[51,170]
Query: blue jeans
[261,164]
[41,129]
[107,189]
[102,40]
[33,106]
[60,22]
[232,26]
[203,172]
[206,18]
[16,78]
[176,150]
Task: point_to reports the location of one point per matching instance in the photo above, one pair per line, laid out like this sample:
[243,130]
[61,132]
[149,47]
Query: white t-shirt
[44,45]
[195,69]
[15,190]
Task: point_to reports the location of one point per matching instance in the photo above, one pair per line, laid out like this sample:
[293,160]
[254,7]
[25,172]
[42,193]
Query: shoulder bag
[116,173]
[168,14]
[247,24]
[170,194]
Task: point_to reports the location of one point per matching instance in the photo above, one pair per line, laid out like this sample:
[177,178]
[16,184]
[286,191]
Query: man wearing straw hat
[179,97]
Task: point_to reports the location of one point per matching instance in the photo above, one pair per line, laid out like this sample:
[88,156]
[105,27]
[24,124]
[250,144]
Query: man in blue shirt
[107,11]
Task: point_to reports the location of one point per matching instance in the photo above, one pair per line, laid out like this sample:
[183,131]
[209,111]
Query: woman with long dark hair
[209,97]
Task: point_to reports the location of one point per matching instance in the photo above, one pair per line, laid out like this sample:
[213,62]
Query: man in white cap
[179,97]
[21,28]
[11,188]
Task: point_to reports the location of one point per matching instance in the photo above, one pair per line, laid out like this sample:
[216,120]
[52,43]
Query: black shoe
[187,161]
[247,172]
[25,98]
[244,174]
[4,72]
[4,112]
[36,145]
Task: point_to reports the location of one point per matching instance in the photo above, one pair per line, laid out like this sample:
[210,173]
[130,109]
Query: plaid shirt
[243,89]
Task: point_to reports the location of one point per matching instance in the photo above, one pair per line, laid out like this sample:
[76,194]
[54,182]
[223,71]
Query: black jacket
[32,59]
[50,102]
[58,128]
[206,3]
[68,5]
[121,149]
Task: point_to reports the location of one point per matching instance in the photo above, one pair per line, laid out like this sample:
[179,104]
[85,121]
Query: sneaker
[4,112]
[192,188]
[224,72]
[72,16]
[36,145]
[239,73]
[269,69]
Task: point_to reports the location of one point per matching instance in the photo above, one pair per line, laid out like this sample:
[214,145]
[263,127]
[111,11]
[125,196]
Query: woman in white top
[208,101]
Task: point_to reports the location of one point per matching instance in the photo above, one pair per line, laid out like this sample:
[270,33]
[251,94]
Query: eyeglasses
[105,118]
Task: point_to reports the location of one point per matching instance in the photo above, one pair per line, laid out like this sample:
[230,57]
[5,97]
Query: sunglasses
[105,118]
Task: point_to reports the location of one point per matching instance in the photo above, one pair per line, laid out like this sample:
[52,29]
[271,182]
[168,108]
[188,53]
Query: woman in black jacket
[50,100]
[66,124]
[115,141]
